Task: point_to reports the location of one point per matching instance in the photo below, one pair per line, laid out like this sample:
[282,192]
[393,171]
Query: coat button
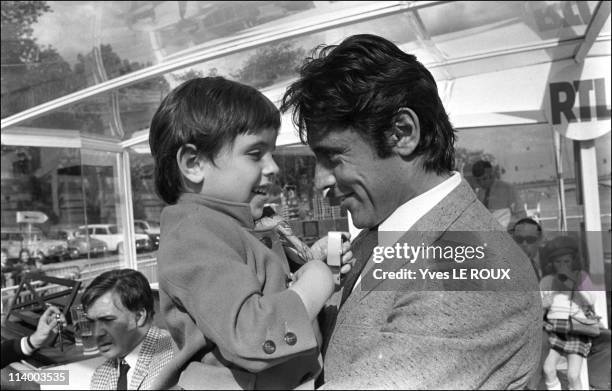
[269,347]
[290,338]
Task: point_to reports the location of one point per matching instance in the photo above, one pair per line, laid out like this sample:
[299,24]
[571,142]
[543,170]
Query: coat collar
[432,225]
[144,358]
[241,212]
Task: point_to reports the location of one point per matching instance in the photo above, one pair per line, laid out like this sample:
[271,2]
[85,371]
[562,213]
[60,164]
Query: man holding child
[385,147]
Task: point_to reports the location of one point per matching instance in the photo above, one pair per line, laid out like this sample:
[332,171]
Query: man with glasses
[527,233]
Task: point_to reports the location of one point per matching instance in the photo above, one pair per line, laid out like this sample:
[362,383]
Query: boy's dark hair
[478,168]
[361,84]
[209,113]
[131,286]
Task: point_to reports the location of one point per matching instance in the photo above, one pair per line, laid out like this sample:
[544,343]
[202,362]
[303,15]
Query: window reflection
[49,198]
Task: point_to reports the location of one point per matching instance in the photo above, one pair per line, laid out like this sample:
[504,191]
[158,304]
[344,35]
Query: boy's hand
[314,283]
[319,252]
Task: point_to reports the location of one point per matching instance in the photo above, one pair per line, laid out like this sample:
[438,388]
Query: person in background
[565,293]
[527,233]
[500,197]
[22,266]
[7,270]
[120,305]
[384,148]
[18,349]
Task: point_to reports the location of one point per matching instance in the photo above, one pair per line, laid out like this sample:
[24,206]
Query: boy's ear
[191,163]
[405,132]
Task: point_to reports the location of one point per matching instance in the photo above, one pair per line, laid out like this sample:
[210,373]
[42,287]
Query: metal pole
[562,221]
[592,224]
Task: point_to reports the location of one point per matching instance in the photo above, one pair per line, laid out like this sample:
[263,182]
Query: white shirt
[132,359]
[25,348]
[404,217]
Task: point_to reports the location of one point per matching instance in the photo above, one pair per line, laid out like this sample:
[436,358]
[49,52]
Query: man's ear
[141,317]
[405,132]
[191,163]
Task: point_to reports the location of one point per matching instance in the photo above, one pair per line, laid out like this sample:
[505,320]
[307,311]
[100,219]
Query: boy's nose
[270,166]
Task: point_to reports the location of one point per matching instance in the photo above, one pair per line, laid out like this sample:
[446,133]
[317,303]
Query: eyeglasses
[528,239]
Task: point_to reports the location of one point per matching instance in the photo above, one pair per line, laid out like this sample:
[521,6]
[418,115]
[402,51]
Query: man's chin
[361,222]
[107,351]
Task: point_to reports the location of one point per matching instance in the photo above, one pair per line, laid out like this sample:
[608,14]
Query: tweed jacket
[224,299]
[412,338]
[157,350]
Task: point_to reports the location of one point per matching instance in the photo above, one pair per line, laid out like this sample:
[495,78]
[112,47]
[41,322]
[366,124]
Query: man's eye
[332,158]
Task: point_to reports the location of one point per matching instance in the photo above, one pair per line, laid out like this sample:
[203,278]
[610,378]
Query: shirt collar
[238,210]
[404,217]
[132,357]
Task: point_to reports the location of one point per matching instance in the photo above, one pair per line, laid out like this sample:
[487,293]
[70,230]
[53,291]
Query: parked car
[110,234]
[79,244]
[15,238]
[150,228]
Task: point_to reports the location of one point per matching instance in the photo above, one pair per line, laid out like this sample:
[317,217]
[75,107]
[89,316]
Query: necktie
[362,247]
[123,370]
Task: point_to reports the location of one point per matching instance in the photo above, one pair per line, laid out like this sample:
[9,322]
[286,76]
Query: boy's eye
[256,154]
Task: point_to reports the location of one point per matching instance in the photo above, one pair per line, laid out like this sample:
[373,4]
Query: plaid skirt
[563,342]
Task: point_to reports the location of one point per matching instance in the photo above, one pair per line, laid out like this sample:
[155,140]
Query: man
[120,303]
[498,196]
[384,147]
[18,349]
[527,233]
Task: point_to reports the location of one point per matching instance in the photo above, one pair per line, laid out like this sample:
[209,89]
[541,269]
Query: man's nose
[324,178]
[98,330]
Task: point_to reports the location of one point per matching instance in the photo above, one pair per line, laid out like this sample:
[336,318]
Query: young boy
[224,295]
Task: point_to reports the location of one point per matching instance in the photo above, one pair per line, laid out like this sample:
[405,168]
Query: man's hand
[319,252]
[46,326]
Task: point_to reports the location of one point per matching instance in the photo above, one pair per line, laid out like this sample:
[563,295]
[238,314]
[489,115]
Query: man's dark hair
[209,113]
[131,286]
[361,84]
[478,168]
[527,220]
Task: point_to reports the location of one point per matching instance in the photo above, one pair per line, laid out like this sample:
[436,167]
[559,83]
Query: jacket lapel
[428,228]
[144,359]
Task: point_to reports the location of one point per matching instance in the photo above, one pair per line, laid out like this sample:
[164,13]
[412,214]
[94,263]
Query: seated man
[120,303]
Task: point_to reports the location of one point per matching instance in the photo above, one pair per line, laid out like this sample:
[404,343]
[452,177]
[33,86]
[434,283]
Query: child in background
[565,293]
[224,295]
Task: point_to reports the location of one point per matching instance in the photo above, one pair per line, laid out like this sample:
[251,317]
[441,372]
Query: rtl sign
[571,105]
